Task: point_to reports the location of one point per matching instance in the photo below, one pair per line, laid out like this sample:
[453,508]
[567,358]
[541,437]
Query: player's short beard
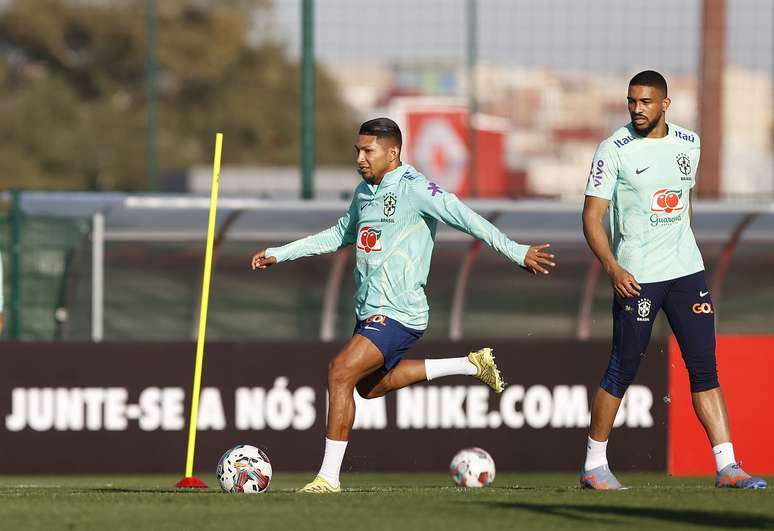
[645,131]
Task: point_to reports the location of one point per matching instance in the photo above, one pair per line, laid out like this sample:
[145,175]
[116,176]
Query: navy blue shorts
[390,337]
[688,306]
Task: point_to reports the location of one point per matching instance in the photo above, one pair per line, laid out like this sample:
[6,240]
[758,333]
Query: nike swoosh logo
[638,171]
[703,293]
[371,328]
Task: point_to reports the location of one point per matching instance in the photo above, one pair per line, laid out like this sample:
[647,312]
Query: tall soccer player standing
[645,173]
[392,222]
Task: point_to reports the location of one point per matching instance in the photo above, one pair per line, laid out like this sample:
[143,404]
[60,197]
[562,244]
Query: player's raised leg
[480,364]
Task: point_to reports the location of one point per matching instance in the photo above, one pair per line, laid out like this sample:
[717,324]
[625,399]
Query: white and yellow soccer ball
[244,469]
[472,467]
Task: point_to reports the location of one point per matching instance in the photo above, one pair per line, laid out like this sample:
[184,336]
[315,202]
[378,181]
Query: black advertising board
[123,407]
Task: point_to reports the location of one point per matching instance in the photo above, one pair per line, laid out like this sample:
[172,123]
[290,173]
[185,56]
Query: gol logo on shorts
[703,307]
[378,319]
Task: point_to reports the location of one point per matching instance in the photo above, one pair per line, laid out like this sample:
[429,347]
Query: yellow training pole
[189,480]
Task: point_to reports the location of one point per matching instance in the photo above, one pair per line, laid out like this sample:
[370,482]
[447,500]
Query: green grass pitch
[397,501]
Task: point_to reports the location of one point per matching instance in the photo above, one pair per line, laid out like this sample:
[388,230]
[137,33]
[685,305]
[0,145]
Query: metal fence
[117,266]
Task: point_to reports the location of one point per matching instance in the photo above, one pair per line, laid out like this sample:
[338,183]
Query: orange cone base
[191,483]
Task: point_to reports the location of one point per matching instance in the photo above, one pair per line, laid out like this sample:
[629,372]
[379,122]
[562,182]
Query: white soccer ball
[472,467]
[244,469]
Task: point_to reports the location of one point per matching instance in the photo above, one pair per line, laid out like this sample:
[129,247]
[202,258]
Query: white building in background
[556,119]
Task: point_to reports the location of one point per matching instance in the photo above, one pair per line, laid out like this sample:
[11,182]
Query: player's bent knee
[372,385]
[364,390]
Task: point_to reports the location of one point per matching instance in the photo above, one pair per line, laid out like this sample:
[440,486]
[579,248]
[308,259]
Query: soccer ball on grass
[244,469]
[472,467]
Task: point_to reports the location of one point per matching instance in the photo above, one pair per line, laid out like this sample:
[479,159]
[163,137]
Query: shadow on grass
[177,492]
[590,513]
[140,490]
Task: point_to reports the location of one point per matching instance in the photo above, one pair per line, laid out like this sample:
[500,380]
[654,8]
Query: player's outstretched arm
[431,201]
[343,233]
[594,209]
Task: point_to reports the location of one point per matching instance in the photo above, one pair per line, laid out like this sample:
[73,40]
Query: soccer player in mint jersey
[645,172]
[391,222]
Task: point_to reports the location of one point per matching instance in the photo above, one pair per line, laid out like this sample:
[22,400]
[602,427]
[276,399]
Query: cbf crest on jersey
[390,203]
[684,163]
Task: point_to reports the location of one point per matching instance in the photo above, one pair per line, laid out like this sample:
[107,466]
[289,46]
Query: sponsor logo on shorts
[643,310]
[666,201]
[596,174]
[702,307]
[368,240]
[684,163]
[378,319]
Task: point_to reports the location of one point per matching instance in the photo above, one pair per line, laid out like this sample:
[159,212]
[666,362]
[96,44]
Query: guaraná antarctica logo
[368,239]
[666,201]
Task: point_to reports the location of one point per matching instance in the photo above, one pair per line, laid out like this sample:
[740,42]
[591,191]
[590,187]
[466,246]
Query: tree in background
[73,96]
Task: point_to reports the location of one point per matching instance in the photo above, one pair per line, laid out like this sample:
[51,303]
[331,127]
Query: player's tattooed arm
[594,209]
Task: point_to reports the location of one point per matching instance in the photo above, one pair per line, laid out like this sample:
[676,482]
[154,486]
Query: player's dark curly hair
[650,78]
[382,128]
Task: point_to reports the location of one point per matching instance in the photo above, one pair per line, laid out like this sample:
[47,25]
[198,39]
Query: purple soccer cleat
[599,478]
[733,477]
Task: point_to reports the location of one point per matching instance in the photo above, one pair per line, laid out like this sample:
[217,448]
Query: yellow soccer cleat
[320,485]
[486,369]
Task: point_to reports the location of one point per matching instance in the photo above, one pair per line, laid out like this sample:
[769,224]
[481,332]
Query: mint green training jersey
[392,226]
[648,182]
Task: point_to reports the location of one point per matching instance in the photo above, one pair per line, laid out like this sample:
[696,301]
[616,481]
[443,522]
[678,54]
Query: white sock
[596,454]
[448,367]
[724,455]
[331,465]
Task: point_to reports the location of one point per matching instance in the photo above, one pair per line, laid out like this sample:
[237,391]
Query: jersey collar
[391,177]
